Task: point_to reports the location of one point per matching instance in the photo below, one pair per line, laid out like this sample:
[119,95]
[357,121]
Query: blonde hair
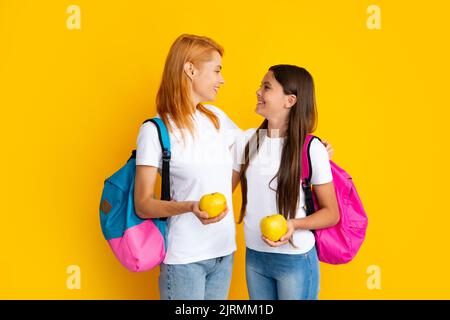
[174,94]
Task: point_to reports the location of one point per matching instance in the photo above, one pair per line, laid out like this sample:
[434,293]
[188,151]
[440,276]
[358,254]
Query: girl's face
[207,78]
[272,102]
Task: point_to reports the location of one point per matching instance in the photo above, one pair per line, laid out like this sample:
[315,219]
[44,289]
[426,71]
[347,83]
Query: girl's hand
[204,217]
[284,239]
[329,148]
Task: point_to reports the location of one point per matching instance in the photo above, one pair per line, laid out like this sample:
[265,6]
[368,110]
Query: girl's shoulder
[317,148]
[320,162]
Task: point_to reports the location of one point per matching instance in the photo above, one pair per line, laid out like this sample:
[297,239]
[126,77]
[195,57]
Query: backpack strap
[164,140]
[307,174]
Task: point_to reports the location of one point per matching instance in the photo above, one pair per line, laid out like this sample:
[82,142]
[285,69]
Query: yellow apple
[274,227]
[213,203]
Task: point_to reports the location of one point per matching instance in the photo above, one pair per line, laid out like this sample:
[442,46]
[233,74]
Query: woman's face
[272,102]
[207,79]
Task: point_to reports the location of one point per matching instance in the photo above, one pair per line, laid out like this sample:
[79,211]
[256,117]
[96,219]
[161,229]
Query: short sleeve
[148,151]
[321,168]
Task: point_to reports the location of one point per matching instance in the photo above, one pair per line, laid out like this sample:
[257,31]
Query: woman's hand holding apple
[204,216]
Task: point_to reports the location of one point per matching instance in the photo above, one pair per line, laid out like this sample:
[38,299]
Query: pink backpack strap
[306,163]
[306,175]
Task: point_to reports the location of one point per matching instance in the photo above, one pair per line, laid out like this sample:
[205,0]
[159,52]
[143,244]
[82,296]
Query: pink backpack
[340,243]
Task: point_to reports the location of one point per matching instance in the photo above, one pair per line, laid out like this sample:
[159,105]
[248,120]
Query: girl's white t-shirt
[261,200]
[199,165]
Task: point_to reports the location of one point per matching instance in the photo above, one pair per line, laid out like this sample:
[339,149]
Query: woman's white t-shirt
[261,200]
[201,165]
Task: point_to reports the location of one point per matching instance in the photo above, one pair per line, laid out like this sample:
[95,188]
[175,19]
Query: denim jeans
[277,276]
[203,280]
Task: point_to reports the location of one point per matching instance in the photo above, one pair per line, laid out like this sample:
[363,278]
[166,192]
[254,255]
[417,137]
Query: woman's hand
[329,148]
[284,239]
[204,217]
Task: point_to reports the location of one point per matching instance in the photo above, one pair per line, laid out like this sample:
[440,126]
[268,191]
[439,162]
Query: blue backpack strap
[162,133]
[164,140]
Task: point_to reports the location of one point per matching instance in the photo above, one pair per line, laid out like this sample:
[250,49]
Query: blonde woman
[199,256]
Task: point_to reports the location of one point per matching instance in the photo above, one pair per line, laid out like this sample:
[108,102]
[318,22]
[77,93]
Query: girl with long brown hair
[269,174]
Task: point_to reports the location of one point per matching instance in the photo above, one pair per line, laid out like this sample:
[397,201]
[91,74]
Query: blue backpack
[139,244]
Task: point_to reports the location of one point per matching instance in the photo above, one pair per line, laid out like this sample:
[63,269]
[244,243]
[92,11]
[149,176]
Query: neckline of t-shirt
[253,131]
[275,138]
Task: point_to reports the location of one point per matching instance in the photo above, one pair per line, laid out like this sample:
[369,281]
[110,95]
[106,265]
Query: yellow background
[72,102]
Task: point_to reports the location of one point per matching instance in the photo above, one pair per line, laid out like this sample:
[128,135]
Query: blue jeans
[277,276]
[203,280]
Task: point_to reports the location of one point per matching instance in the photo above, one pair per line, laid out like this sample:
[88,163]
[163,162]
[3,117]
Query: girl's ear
[291,100]
[189,69]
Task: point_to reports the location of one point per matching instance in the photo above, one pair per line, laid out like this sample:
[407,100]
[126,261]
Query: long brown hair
[173,99]
[302,120]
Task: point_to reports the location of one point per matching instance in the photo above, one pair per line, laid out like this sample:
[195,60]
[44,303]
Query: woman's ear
[189,70]
[291,100]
